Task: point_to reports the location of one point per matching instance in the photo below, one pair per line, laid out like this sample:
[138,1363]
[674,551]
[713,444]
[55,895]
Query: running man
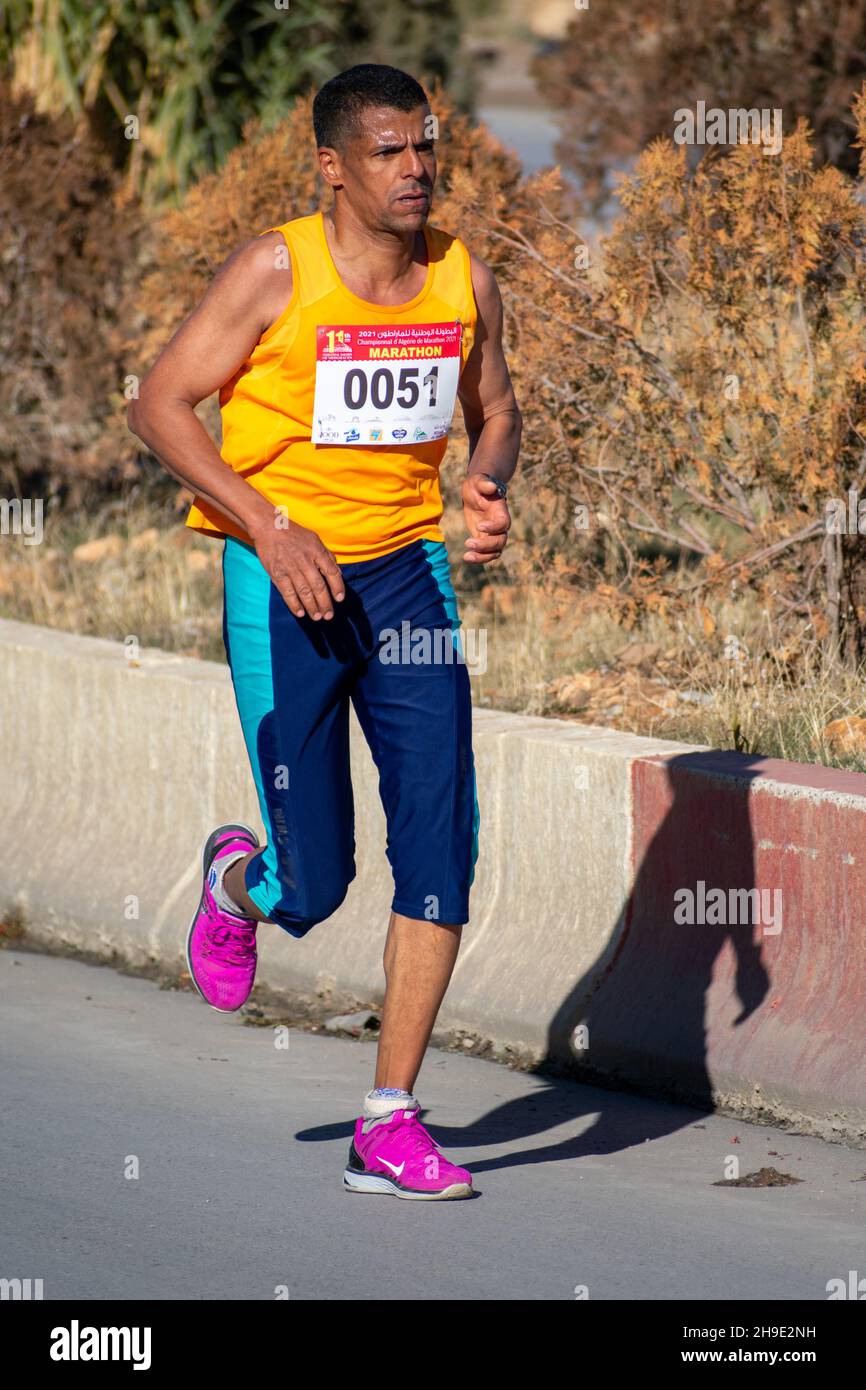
[339,344]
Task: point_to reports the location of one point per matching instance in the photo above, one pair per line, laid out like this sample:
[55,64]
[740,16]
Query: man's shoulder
[258,273]
[298,225]
[449,241]
[450,251]
[442,238]
[259,247]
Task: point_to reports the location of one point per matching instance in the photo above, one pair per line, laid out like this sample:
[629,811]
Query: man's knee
[323,900]
[320,902]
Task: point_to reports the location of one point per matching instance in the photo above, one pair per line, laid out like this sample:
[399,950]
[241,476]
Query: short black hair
[338,103]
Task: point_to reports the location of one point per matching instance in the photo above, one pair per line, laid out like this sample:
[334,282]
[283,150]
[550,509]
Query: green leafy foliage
[169,85]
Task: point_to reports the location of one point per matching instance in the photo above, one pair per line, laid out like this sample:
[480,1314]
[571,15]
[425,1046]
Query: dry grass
[743,686]
[735,687]
[163,586]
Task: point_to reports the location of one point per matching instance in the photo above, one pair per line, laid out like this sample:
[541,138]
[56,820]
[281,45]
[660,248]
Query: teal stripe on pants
[437,556]
[247,590]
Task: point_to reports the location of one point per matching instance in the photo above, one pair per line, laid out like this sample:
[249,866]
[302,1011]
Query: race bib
[385,385]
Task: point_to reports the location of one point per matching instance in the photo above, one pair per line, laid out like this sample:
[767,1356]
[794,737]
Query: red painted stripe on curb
[755,768]
[767,1012]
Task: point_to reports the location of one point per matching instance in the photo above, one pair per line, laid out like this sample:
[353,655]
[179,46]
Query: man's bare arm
[204,353]
[248,293]
[493,423]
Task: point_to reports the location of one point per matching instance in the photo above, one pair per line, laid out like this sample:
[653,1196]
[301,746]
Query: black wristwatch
[501,488]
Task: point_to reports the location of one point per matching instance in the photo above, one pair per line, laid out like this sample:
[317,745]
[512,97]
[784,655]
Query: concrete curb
[113,774]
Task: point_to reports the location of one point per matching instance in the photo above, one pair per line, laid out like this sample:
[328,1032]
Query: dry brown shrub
[645,484]
[68,242]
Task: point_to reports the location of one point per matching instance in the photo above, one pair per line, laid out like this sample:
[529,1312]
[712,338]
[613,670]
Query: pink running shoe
[220,947]
[398,1156]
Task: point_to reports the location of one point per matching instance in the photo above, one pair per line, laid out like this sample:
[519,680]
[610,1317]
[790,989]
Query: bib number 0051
[394,385]
[384,391]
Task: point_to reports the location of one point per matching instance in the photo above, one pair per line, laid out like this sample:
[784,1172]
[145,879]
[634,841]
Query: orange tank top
[372,383]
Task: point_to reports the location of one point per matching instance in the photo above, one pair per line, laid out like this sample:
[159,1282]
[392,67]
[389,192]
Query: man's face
[387,168]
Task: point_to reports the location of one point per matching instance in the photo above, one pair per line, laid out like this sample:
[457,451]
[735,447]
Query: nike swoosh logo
[394,1169]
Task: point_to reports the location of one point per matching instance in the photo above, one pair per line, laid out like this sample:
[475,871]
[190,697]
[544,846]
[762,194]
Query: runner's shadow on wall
[643,1001]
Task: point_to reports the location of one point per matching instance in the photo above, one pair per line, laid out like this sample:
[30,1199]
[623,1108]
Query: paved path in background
[241,1146]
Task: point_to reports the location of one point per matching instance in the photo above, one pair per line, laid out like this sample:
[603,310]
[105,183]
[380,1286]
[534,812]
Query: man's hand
[304,571]
[487,520]
[493,424]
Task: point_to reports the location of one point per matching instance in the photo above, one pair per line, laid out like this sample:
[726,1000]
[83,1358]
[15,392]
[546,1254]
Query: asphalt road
[239,1148]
